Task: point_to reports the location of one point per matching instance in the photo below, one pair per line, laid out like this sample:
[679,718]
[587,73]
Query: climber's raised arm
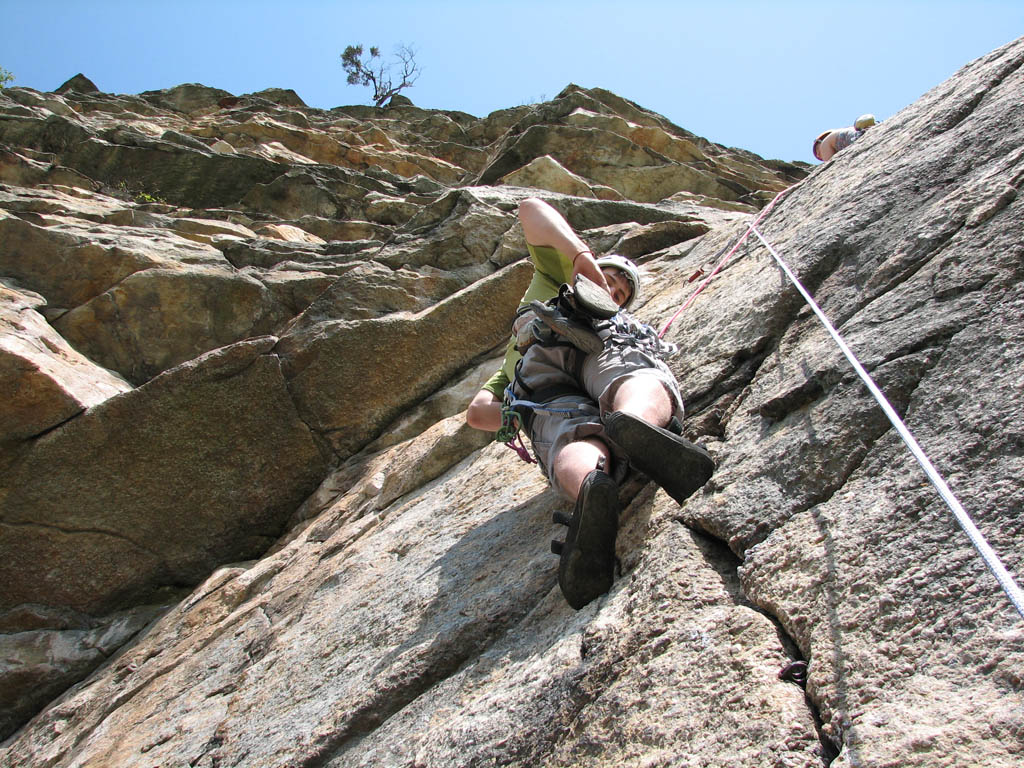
[544,226]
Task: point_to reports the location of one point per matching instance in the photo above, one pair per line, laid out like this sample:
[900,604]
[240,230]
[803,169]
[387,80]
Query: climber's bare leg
[575,461]
[644,397]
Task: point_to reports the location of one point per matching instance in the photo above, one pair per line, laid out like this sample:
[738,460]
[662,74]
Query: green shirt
[550,271]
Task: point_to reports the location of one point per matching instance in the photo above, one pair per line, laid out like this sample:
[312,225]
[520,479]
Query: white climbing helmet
[629,269]
[864,122]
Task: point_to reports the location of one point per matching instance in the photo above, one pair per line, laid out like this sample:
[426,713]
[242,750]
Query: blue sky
[763,76]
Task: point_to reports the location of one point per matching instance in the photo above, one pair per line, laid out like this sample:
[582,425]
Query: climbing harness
[991,559]
[559,322]
[514,413]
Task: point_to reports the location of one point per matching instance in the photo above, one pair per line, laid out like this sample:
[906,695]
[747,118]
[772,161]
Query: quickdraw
[508,434]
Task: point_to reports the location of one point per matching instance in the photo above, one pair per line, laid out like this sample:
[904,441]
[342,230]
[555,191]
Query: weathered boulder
[136,303]
[547,173]
[286,97]
[60,648]
[459,230]
[49,203]
[69,265]
[208,230]
[332,229]
[626,150]
[301,193]
[640,241]
[129,157]
[79,83]
[371,289]
[152,489]
[188,97]
[43,381]
[156,319]
[351,378]
[19,170]
[290,233]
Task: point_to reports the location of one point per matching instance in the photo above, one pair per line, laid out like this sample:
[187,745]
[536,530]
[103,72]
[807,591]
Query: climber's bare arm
[827,148]
[484,412]
[544,226]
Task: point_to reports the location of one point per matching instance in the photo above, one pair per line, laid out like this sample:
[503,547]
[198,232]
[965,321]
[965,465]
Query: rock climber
[588,384]
[831,141]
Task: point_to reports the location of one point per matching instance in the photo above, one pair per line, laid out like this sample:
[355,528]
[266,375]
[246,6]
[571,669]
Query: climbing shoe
[674,463]
[587,565]
[590,299]
[578,333]
[572,314]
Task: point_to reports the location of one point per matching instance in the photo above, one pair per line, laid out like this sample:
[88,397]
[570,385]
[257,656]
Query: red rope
[727,256]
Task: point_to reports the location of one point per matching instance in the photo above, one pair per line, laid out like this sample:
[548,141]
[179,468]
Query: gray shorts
[576,417]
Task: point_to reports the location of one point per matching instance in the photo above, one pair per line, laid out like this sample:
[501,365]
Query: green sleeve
[550,271]
[497,383]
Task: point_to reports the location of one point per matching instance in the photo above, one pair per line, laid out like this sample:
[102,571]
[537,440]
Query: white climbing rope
[991,559]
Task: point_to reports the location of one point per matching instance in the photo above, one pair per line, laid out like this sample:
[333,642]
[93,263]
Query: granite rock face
[243,520]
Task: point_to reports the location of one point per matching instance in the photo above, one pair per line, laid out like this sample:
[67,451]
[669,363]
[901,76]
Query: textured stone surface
[408,612]
[150,490]
[43,380]
[547,173]
[350,379]
[60,649]
[156,319]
